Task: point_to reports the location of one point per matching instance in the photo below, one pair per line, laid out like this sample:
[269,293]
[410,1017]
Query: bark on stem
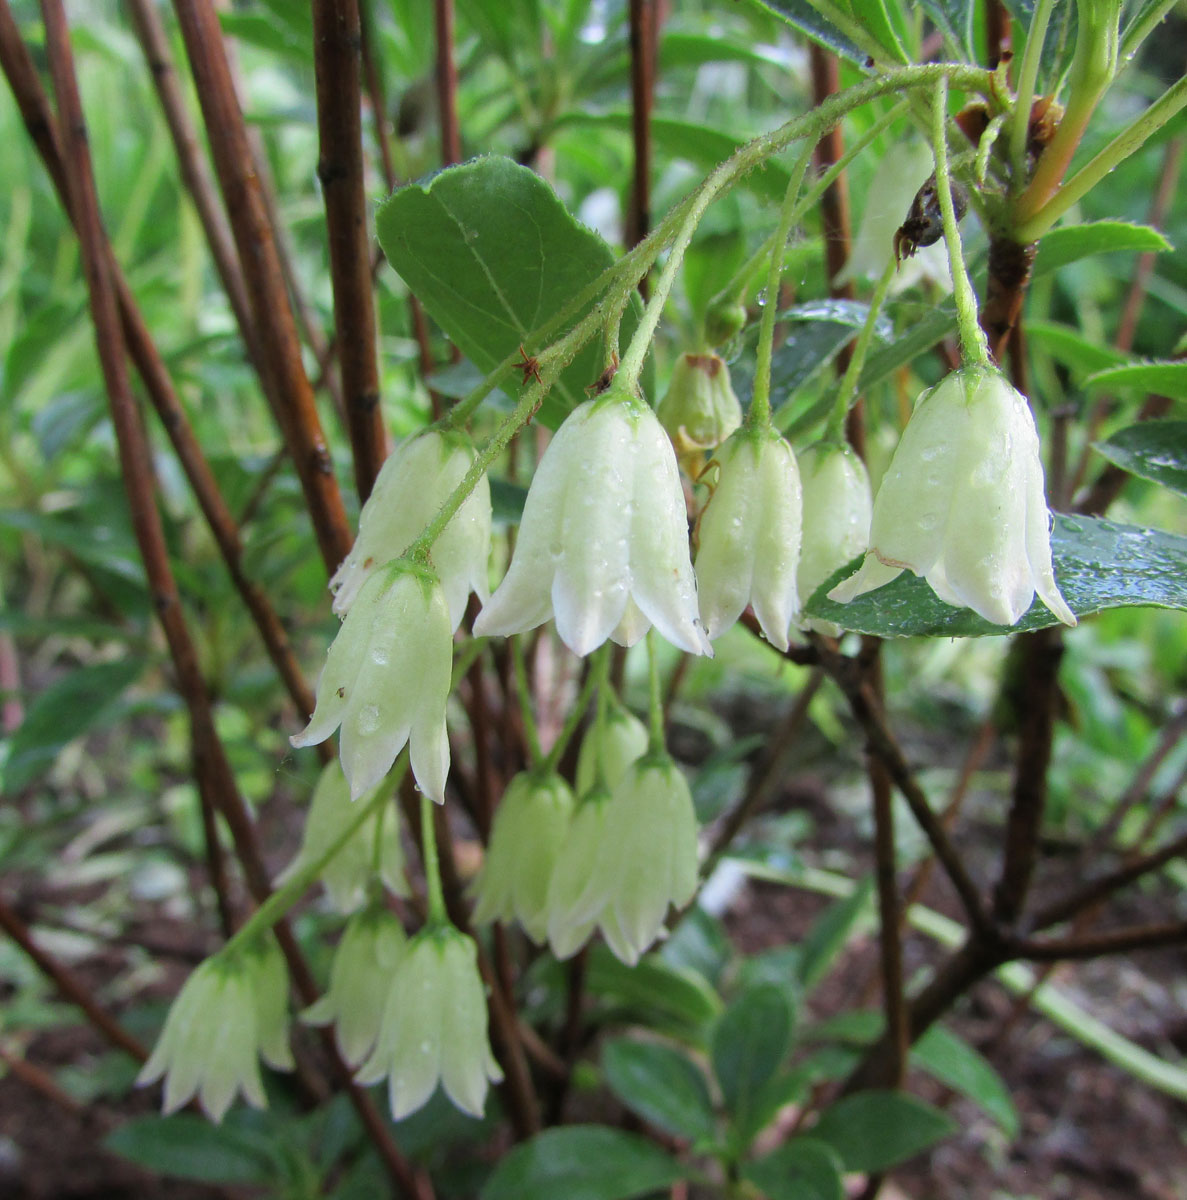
[279,344]
[336,36]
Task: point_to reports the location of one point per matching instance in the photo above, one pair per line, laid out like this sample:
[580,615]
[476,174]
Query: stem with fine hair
[847,388]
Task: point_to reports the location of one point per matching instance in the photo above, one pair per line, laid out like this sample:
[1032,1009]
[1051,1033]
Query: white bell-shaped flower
[749,535]
[962,503]
[631,855]
[372,945]
[434,1027]
[413,483]
[529,829]
[231,1011]
[386,681]
[348,875]
[838,505]
[603,544]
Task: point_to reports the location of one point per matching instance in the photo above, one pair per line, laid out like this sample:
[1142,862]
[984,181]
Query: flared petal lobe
[962,504]
[603,543]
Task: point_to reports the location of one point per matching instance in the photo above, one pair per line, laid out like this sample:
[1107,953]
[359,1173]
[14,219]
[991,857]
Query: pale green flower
[611,744]
[434,1027]
[962,503]
[348,875]
[699,410]
[230,1011]
[529,828]
[372,945]
[386,681]
[837,508]
[749,536]
[413,483]
[631,855]
[603,544]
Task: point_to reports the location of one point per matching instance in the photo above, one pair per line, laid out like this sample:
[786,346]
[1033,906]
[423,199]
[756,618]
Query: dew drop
[379,656]
[368,719]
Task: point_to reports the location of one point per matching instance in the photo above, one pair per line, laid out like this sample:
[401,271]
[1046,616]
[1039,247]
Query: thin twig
[280,348]
[71,988]
[451,138]
[1038,693]
[643,21]
[35,111]
[336,37]
[1114,941]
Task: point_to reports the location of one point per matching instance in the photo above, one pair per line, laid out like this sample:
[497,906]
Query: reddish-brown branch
[279,345]
[195,174]
[1113,941]
[26,88]
[643,30]
[451,137]
[340,168]
[1010,265]
[71,988]
[1041,655]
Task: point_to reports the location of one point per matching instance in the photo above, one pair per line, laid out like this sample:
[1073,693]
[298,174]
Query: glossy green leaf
[493,254]
[932,326]
[675,999]
[1163,378]
[64,711]
[582,1162]
[1067,243]
[875,1130]
[804,1169]
[831,931]
[190,1147]
[661,1084]
[803,17]
[1154,450]
[1099,564]
[749,1043]
[952,1061]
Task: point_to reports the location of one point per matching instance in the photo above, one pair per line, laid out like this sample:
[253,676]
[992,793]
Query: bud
[749,536]
[417,478]
[614,741]
[962,503]
[529,829]
[631,855]
[348,875]
[700,409]
[837,506]
[434,1027]
[603,544]
[386,681]
[889,200]
[372,946]
[724,321]
[230,1010]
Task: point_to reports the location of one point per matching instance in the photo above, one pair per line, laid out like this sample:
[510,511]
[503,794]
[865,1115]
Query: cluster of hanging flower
[604,550]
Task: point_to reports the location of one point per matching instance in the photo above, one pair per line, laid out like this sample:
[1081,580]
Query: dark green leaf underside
[1099,564]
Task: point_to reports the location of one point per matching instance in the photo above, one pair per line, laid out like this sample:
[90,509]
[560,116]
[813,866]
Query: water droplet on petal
[368,719]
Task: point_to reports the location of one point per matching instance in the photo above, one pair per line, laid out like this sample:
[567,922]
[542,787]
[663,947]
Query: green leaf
[831,930]
[190,1147]
[1069,346]
[702,145]
[750,1041]
[802,16]
[954,18]
[1068,243]
[803,1169]
[64,711]
[1164,378]
[1154,450]
[952,1061]
[675,999]
[1098,565]
[662,1085]
[933,326]
[492,254]
[875,1130]
[582,1162]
